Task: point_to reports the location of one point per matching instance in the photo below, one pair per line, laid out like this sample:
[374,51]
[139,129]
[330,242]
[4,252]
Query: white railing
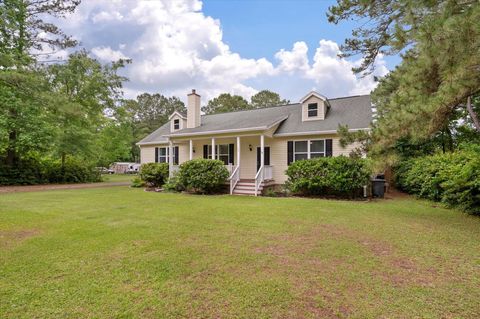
[268,172]
[259,179]
[234,178]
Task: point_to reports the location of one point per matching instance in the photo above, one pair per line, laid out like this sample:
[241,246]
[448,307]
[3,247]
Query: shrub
[154,174]
[452,178]
[173,184]
[137,182]
[31,170]
[340,176]
[203,176]
[73,171]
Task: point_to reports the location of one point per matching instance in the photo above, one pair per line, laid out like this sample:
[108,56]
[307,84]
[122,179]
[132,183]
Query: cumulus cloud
[107,54]
[176,47]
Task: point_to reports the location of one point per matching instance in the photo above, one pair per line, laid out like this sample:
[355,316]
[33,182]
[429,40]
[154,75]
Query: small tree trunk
[11,151]
[473,115]
[63,161]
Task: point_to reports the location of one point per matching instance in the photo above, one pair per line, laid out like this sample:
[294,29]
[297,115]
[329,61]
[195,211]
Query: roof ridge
[347,97]
[260,108]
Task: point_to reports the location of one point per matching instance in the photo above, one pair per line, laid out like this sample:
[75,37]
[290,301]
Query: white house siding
[278,152]
[147,154]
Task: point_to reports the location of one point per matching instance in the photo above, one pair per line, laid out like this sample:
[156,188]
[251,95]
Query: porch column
[170,157]
[238,151]
[191,149]
[213,147]
[262,150]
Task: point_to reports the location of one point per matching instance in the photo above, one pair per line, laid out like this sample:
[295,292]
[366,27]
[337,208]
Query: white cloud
[105,16]
[107,54]
[175,47]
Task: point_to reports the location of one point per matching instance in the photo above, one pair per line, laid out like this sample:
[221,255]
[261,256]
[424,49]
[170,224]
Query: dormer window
[313,110]
[176,124]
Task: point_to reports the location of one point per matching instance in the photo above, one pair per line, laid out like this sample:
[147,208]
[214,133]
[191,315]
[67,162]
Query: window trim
[311,109]
[309,152]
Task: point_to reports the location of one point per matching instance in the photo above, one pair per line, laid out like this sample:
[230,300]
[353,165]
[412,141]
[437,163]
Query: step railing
[259,178]
[234,178]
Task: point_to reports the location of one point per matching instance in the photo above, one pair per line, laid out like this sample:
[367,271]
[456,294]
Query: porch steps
[247,187]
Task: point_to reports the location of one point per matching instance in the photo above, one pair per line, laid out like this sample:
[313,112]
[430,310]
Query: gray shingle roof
[354,111]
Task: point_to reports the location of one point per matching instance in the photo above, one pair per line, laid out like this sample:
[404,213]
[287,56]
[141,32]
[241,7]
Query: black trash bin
[378,187]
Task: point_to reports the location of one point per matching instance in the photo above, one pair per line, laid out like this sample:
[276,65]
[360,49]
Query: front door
[266,160]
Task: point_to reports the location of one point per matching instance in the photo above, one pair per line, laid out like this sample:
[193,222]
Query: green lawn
[118,177]
[125,253]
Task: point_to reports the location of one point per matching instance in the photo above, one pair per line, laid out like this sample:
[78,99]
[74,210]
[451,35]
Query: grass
[125,253]
[109,178]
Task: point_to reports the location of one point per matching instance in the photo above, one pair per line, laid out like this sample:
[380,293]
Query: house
[257,145]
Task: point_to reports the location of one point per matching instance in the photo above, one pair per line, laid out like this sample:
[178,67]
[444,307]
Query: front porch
[247,159]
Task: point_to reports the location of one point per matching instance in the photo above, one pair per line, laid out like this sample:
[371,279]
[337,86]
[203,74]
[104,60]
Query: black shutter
[289,152]
[156,154]
[231,154]
[258,158]
[328,148]
[175,155]
[266,160]
[205,151]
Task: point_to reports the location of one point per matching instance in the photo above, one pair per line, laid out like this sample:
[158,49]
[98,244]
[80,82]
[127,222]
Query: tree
[150,111]
[23,30]
[266,98]
[85,91]
[440,65]
[146,114]
[226,102]
[25,118]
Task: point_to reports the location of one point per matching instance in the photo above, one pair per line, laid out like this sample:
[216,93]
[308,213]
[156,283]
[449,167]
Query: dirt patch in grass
[9,239]
[296,256]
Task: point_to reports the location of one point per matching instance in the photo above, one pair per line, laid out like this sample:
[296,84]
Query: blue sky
[259,28]
[239,47]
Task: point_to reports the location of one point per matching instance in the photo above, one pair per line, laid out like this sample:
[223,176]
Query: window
[301,151]
[176,124]
[222,152]
[317,148]
[312,110]
[163,154]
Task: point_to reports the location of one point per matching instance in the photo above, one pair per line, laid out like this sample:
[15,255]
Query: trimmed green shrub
[154,174]
[339,176]
[452,178]
[203,176]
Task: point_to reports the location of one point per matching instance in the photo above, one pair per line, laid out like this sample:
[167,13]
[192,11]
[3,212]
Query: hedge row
[31,171]
[340,176]
[451,178]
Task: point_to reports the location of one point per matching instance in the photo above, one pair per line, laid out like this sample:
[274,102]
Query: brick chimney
[193,110]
